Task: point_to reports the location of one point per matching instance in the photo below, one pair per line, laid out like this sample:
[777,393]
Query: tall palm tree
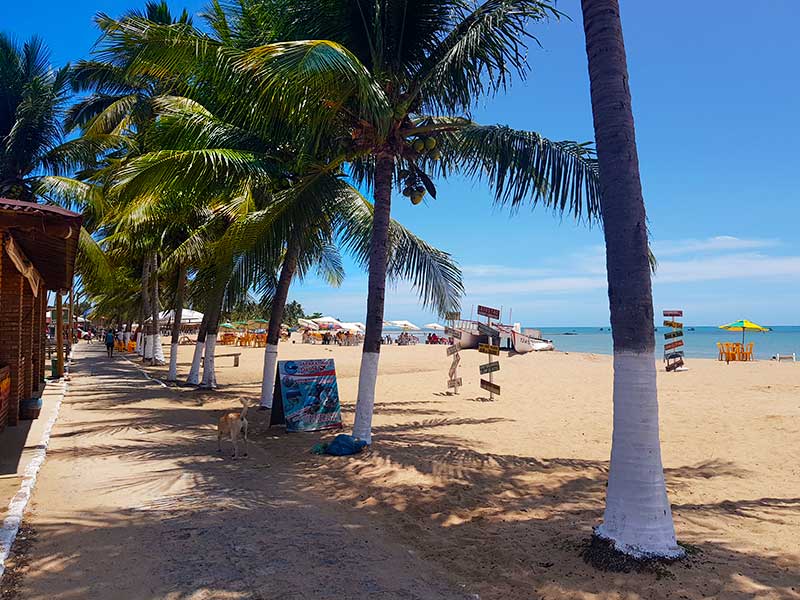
[638,518]
[386,87]
[33,98]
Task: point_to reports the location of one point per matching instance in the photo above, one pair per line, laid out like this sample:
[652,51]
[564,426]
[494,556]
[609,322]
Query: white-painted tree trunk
[194,372]
[158,349]
[268,377]
[173,362]
[149,346]
[365,403]
[126,338]
[209,376]
[139,344]
[638,517]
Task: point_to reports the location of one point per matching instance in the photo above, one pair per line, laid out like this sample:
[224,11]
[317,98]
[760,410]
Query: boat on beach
[511,337]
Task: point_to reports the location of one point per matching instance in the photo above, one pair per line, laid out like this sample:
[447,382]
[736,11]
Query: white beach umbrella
[356,327]
[309,324]
[328,323]
[434,326]
[188,316]
[408,325]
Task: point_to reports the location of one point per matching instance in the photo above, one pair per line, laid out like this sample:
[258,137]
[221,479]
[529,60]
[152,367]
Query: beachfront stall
[38,244]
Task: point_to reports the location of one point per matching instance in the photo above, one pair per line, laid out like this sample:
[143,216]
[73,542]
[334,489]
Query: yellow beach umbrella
[744,325]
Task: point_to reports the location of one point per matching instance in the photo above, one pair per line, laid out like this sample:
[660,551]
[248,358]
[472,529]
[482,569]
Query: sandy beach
[502,495]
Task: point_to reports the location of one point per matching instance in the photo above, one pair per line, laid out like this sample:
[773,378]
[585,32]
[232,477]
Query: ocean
[699,342]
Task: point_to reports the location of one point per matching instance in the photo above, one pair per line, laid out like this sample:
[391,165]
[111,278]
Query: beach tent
[434,326]
[744,325]
[188,316]
[355,327]
[307,323]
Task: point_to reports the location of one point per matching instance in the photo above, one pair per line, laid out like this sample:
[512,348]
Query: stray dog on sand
[233,423]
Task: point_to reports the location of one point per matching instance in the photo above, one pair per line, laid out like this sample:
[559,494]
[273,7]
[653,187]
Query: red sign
[485,311]
[673,313]
[672,345]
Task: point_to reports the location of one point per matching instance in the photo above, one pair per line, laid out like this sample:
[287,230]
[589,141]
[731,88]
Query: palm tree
[32,102]
[386,88]
[638,519]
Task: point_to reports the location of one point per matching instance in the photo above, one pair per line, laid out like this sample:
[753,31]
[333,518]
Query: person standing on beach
[110,343]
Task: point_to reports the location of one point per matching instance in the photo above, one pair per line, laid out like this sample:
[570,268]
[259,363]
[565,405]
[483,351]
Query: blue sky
[715,93]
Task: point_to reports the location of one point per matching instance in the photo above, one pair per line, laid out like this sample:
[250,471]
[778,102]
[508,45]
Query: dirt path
[133,502]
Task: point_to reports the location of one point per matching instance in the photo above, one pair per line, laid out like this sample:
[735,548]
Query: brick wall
[11,332]
[39,307]
[27,340]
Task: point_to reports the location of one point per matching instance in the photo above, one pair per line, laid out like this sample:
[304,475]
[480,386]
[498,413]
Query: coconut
[416,198]
[430,144]
[418,145]
[436,155]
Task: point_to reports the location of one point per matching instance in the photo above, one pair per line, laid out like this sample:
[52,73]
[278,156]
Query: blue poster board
[306,395]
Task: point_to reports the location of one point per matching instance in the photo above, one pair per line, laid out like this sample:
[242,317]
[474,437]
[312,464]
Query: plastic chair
[721,350]
[748,352]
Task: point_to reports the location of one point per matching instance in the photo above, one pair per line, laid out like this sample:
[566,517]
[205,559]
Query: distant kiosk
[673,341]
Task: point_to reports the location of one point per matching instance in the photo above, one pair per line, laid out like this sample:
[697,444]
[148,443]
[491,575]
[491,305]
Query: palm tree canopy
[32,101]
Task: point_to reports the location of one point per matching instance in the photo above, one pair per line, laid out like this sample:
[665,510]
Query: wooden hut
[38,244]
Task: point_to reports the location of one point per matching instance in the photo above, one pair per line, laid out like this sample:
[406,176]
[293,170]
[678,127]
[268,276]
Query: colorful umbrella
[744,325]
[228,326]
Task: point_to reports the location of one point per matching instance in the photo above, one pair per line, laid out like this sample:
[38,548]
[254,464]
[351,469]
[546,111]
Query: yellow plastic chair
[748,352]
[721,351]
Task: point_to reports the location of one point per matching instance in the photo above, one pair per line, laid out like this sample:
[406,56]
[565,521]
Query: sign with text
[489,349]
[454,333]
[672,345]
[673,334]
[490,387]
[489,368]
[454,366]
[673,313]
[486,311]
[454,383]
[306,396]
[453,349]
[673,324]
[675,365]
[674,355]
[486,330]
[452,316]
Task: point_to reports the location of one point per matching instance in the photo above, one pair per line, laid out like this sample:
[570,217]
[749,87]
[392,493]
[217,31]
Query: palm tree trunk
[147,344]
[194,372]
[209,373]
[158,350]
[176,325]
[638,518]
[275,319]
[378,258]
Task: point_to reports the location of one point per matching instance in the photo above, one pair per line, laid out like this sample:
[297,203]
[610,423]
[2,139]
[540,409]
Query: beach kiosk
[38,244]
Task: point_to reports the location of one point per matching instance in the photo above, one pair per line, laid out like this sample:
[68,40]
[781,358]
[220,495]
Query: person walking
[110,342]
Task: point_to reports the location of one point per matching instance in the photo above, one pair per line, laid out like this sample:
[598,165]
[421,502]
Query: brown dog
[233,424]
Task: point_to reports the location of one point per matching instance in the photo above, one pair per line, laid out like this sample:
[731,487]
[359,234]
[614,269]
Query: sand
[499,498]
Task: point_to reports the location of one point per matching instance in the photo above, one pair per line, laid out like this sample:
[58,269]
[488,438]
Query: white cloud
[742,266]
[719,243]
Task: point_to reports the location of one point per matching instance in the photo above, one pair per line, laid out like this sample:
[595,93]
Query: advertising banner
[306,395]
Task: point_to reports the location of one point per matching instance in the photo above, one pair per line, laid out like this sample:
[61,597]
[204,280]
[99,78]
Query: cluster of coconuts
[426,145]
[414,190]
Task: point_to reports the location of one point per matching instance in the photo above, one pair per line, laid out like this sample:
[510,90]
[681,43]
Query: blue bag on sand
[344,444]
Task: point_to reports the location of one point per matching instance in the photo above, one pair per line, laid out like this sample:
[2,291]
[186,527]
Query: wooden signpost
[673,358]
[490,349]
[453,381]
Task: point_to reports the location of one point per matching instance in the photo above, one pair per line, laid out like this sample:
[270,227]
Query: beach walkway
[133,502]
